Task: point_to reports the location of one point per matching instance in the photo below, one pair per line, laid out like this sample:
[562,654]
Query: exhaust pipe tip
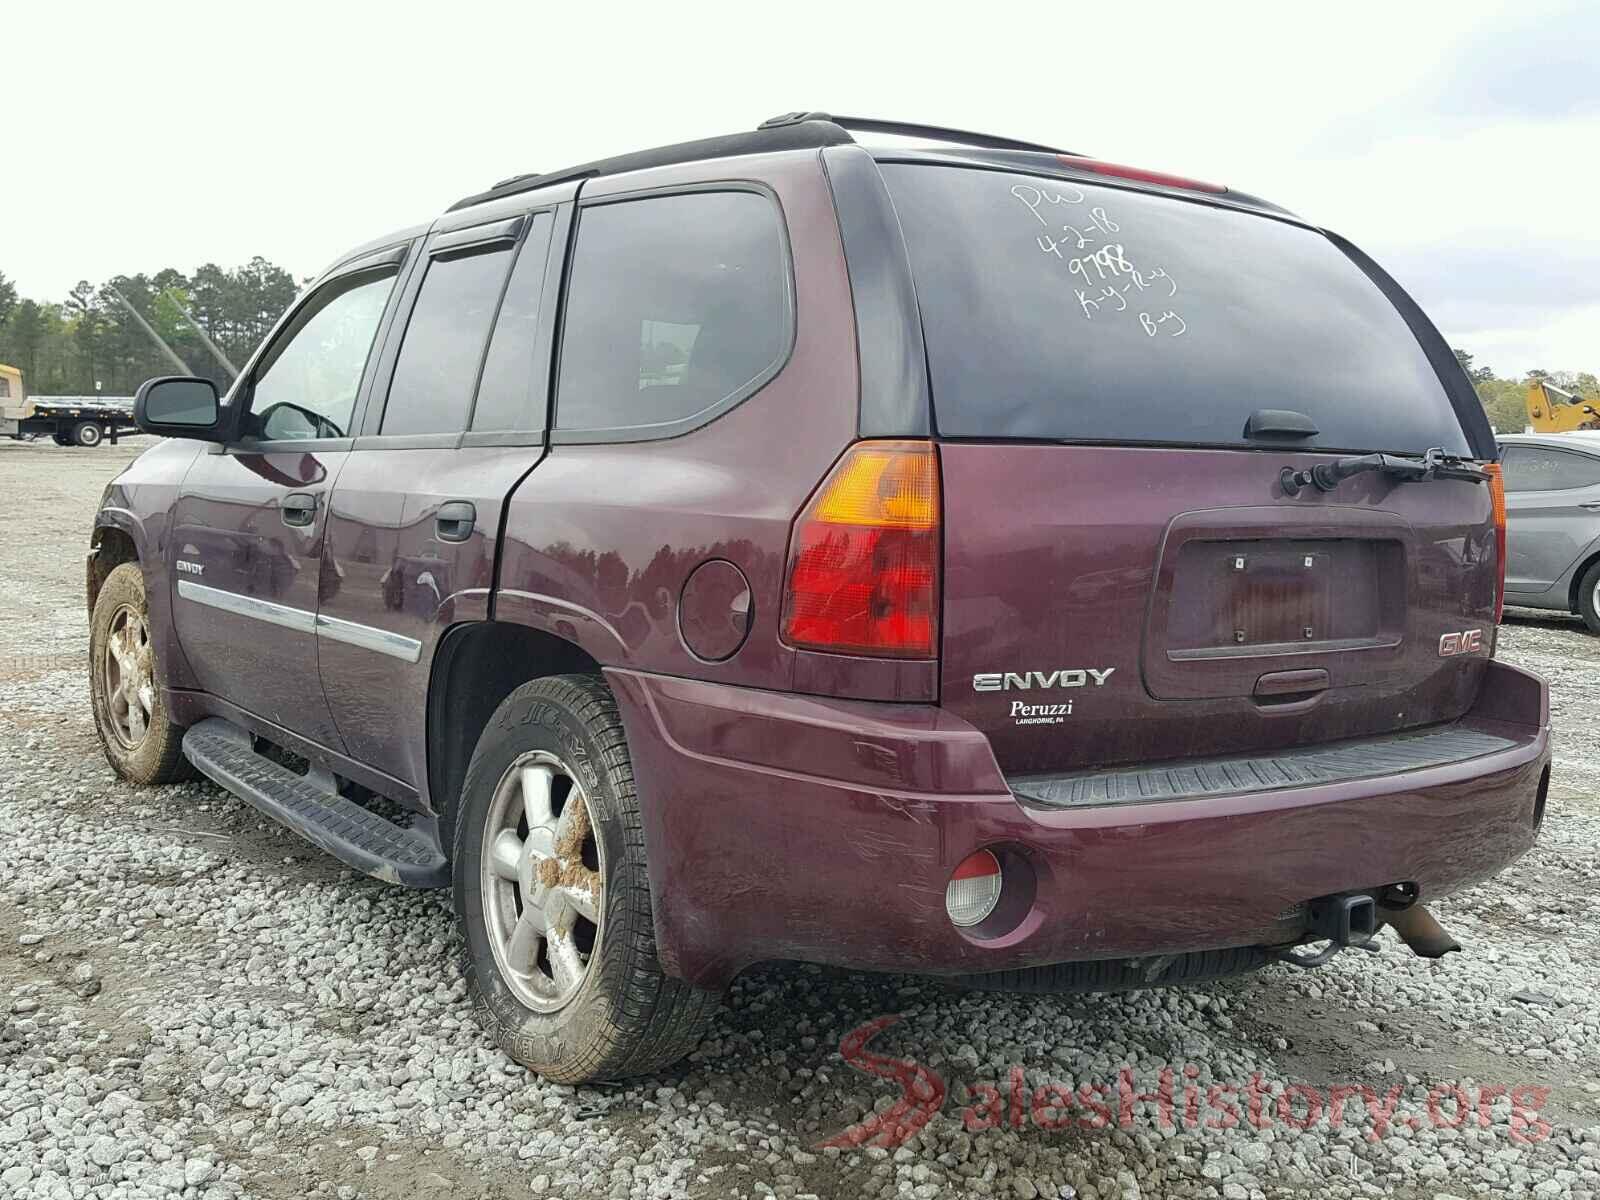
[1418,928]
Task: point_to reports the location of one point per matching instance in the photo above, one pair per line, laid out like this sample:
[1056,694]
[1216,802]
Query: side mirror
[179,406]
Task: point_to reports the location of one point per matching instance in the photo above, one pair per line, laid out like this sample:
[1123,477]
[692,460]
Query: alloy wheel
[128,674]
[541,881]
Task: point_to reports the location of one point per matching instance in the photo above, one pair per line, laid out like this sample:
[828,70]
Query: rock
[1530,996]
[15,1177]
[106,1152]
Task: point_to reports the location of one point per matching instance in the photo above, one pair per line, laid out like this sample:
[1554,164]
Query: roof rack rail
[806,135]
[938,133]
[791,131]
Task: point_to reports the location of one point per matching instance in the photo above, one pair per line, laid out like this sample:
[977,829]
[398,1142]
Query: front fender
[138,505]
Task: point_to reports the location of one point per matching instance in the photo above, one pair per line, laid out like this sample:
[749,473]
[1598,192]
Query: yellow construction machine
[1552,410]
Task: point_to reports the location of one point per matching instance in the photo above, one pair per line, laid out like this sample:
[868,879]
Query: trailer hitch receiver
[1347,920]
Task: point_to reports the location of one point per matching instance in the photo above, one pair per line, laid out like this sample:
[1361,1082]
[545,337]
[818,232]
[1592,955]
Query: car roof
[812,131]
[818,130]
[1587,440]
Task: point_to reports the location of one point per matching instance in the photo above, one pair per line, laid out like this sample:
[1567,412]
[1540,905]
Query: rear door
[250,521]
[458,416]
[1553,507]
[1125,577]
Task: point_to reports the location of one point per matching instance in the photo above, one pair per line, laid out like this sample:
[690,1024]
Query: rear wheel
[87,433]
[553,895]
[1589,598]
[61,439]
[130,714]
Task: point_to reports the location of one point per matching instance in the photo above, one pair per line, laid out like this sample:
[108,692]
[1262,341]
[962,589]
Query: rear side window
[434,377]
[678,307]
[1056,310]
[1536,469]
[508,395]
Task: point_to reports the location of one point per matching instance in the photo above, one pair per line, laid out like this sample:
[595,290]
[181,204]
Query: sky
[1458,145]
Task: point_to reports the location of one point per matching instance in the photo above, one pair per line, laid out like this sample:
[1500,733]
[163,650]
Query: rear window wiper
[1434,464]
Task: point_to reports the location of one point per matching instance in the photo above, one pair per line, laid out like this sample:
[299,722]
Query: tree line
[67,347]
[1505,400]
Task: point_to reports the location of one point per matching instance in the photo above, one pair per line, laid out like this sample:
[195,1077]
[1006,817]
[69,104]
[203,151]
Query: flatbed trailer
[68,420]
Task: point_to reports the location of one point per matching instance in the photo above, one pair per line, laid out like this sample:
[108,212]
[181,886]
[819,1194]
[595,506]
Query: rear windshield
[1065,311]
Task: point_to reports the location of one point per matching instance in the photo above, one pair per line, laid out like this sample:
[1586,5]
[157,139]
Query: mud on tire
[626,1017]
[146,747]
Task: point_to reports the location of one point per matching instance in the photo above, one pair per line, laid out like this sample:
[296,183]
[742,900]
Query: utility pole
[145,325]
[204,336]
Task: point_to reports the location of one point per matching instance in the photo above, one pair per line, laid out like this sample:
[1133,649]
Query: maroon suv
[973,559]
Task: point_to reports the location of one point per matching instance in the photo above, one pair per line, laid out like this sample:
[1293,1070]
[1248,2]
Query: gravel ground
[194,1003]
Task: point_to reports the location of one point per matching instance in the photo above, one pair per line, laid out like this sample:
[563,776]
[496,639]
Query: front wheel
[553,895]
[1589,598]
[130,713]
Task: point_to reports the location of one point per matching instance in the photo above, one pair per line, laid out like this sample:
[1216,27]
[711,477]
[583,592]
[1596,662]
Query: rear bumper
[791,827]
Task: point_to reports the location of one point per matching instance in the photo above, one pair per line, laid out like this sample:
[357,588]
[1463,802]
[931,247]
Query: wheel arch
[476,667]
[1575,587]
[112,543]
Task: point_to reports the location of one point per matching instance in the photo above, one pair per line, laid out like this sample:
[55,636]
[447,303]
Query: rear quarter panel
[601,538]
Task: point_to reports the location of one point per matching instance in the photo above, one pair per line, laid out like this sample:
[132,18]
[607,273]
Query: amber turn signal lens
[1497,498]
[864,558]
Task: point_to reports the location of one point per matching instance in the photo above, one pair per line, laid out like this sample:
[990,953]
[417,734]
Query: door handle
[1591,505]
[298,509]
[455,520]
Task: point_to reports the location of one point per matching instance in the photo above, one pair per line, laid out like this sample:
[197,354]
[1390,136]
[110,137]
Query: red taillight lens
[1497,498]
[1120,171]
[864,560]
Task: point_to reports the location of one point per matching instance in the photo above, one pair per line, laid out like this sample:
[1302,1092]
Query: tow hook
[1348,921]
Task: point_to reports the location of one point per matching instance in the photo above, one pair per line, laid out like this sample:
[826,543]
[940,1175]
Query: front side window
[306,385]
[5,389]
[437,370]
[677,307]
[1536,469]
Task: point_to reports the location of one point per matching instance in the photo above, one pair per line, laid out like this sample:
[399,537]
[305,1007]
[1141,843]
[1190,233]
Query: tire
[1589,598]
[553,742]
[61,439]
[87,433]
[143,746]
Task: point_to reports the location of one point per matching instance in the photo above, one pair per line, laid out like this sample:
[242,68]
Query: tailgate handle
[1281,687]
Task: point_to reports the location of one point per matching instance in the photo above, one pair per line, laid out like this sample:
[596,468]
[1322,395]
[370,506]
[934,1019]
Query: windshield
[1059,310]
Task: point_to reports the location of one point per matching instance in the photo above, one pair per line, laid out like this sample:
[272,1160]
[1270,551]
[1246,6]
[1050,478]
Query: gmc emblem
[1468,641]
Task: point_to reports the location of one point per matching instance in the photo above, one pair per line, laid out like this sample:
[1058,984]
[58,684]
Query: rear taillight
[864,559]
[1119,171]
[1497,498]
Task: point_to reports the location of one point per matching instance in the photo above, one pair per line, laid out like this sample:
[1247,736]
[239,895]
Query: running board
[309,805]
